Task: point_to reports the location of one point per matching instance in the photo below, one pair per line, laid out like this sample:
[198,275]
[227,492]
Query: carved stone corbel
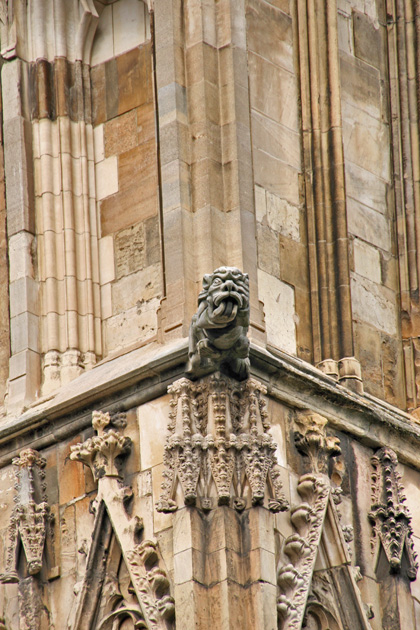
[219,442]
[390,518]
[312,441]
[154,607]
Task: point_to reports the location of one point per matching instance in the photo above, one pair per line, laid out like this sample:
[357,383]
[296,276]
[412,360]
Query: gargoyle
[218,330]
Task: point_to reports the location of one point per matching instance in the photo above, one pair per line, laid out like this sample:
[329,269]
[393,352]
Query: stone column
[403,24]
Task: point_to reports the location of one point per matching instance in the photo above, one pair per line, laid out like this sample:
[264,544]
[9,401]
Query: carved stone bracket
[101,451]
[313,442]
[155,609]
[390,518]
[218,446]
[30,516]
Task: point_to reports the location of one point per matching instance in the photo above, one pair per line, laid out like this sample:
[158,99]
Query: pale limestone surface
[279,308]
[86,229]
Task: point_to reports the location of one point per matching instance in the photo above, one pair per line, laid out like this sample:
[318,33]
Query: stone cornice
[145,373]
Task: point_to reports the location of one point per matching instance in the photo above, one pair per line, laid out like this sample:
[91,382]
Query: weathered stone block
[279,308]
[367,261]
[120,134]
[268,251]
[130,251]
[270,34]
[376,305]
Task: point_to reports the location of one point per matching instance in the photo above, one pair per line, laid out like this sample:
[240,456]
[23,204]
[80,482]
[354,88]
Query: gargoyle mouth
[228,296]
[226,309]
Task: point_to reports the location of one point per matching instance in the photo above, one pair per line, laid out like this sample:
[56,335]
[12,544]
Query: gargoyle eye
[217,281]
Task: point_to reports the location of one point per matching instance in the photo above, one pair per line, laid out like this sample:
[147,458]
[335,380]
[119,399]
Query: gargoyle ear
[206,281]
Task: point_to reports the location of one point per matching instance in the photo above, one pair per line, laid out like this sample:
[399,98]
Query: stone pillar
[51,196]
[221,455]
[205,152]
[24,363]
[403,23]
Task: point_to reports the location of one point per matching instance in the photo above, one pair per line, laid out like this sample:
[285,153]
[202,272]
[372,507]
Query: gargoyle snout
[229,285]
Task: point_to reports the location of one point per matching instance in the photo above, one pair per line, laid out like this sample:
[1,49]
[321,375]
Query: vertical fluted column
[404,78]
[53,228]
[317,52]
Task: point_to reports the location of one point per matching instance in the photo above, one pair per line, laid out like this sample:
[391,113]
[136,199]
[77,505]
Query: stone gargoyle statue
[218,329]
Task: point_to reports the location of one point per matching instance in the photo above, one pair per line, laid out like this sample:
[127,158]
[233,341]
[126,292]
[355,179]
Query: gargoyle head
[226,295]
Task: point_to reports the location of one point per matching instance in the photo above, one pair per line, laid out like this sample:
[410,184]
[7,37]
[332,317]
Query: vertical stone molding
[403,20]
[316,38]
[219,449]
[50,193]
[205,152]
[390,517]
[152,606]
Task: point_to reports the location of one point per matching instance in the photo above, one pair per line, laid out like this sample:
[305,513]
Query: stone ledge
[144,374]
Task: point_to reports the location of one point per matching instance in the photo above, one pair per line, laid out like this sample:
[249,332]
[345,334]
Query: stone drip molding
[218,447]
[104,453]
[390,518]
[30,518]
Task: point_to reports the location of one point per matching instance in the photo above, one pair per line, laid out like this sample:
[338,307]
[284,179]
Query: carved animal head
[225,295]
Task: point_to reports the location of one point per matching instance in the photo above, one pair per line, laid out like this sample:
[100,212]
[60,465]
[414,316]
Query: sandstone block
[365,187]
[268,251]
[368,225]
[106,260]
[153,422]
[136,289]
[23,296]
[275,103]
[369,43]
[360,86]
[373,304]
[21,256]
[270,34]
[24,332]
[279,309]
[130,250]
[131,25]
[121,133]
[367,261]
[98,139]
[107,177]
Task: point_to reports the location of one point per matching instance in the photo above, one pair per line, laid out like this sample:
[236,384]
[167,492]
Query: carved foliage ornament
[390,518]
[218,330]
[313,442]
[30,516]
[149,582]
[219,446]
[101,451]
